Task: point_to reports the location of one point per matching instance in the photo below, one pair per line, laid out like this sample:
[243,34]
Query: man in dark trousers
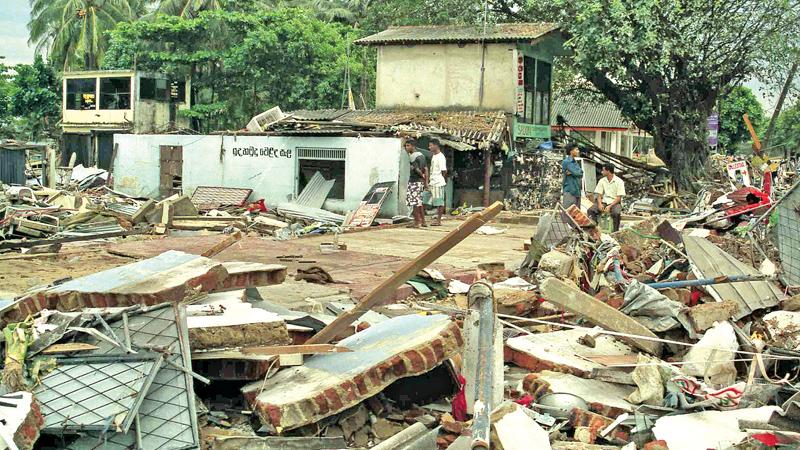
[417,182]
[573,176]
[609,192]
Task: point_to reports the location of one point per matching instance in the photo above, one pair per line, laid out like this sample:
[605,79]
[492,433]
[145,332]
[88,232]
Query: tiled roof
[585,113]
[500,32]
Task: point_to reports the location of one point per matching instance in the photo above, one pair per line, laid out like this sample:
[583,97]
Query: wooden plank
[295,349]
[38,242]
[575,300]
[387,288]
[222,245]
[69,347]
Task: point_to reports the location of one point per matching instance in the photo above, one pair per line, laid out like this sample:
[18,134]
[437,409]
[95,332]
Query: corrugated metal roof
[501,32]
[318,114]
[583,113]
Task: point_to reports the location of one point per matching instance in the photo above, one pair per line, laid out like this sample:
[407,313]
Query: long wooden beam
[387,288]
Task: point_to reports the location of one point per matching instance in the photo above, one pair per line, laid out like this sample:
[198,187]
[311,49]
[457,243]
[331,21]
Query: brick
[656,445]
[596,423]
[606,399]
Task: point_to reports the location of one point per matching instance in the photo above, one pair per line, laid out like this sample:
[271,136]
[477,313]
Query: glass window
[537,91]
[153,89]
[81,93]
[115,93]
[543,75]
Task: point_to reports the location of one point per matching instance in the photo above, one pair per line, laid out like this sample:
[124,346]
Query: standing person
[417,182]
[573,175]
[609,192]
[438,179]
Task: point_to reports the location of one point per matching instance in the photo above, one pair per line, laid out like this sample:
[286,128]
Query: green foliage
[35,98]
[733,105]
[787,130]
[241,63]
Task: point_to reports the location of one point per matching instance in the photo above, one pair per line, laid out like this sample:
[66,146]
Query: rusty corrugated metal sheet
[501,32]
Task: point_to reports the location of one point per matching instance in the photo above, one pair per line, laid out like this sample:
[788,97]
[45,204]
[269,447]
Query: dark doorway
[80,144]
[105,150]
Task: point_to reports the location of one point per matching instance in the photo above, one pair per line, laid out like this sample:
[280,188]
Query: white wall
[271,173]
[445,76]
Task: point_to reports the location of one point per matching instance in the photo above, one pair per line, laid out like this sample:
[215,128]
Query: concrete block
[558,263]
[562,351]
[606,399]
[703,316]
[327,384]
[791,304]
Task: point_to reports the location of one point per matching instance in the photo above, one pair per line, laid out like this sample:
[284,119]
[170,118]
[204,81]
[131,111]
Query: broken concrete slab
[329,383]
[573,299]
[606,399]
[562,351]
[168,277]
[302,295]
[703,316]
[514,429]
[21,418]
[557,263]
[234,325]
[572,445]
[708,429]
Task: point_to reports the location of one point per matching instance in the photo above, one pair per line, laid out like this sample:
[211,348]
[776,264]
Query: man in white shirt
[609,192]
[438,179]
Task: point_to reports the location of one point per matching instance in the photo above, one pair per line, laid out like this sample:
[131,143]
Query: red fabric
[459,404]
[695,298]
[766,439]
[525,400]
[258,205]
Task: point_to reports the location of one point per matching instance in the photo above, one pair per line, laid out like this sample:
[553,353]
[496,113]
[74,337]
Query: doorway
[171,170]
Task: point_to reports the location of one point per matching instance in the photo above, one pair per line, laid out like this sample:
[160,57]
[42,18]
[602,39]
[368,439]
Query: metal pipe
[708,281]
[481,298]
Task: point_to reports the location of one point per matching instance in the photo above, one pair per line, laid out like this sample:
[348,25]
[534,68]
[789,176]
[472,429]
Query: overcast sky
[14,32]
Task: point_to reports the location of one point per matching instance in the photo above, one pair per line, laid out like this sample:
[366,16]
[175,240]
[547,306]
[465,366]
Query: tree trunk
[779,106]
[681,144]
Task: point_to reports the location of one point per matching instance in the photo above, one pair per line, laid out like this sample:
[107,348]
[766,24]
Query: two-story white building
[98,104]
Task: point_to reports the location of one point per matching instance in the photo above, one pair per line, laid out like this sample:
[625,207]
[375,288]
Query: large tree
[787,130]
[664,63]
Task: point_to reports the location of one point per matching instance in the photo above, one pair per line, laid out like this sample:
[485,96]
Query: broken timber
[562,294]
[383,291]
[222,245]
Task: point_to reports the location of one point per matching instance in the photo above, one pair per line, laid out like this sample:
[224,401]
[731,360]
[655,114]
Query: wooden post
[385,289]
[51,166]
[487,177]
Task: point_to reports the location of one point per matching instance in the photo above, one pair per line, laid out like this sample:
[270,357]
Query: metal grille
[167,417]
[788,236]
[329,154]
[78,395]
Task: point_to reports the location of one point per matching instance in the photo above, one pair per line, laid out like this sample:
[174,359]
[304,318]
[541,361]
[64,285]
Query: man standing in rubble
[438,179]
[573,176]
[417,182]
[609,192]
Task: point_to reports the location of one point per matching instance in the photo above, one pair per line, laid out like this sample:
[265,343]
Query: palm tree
[73,32]
[187,9]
